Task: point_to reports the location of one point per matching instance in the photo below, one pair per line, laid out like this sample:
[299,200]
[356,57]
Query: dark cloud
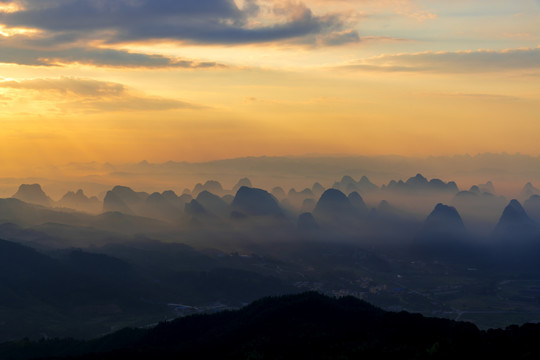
[480,61]
[84,31]
[208,21]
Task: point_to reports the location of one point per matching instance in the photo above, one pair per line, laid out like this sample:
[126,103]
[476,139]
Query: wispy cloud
[479,61]
[87,95]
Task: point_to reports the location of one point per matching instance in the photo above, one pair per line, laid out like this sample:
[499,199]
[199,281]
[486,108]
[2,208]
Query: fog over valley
[99,257]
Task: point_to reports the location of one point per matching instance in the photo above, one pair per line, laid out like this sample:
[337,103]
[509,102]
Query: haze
[167,158]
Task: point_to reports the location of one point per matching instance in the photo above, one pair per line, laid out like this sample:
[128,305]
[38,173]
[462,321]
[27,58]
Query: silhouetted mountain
[306,222]
[305,326]
[242,182]
[212,186]
[156,206]
[214,204]
[515,225]
[348,185]
[444,224]
[124,199]
[487,187]
[420,184]
[113,202]
[195,209]
[75,285]
[358,203]
[32,194]
[79,201]
[296,198]
[179,202]
[528,190]
[256,202]
[335,208]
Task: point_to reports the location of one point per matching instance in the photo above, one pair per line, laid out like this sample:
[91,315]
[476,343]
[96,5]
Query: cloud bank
[86,31]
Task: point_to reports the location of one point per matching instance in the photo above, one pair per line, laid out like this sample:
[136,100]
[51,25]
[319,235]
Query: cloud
[10,53]
[88,95]
[59,32]
[479,61]
[207,22]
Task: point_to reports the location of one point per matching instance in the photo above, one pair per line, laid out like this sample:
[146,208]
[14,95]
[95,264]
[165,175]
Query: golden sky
[126,80]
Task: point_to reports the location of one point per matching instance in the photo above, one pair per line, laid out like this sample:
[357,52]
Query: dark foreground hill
[305,326]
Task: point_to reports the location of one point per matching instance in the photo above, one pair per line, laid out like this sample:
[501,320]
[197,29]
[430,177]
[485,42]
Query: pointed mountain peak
[514,210]
[307,222]
[515,222]
[444,221]
[357,201]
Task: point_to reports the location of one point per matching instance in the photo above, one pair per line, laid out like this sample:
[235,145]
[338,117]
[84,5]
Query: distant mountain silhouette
[256,202]
[444,223]
[242,182]
[79,201]
[296,198]
[528,190]
[348,185]
[113,202]
[124,199]
[214,204]
[178,202]
[156,206]
[335,208]
[32,194]
[358,203]
[420,184]
[212,186]
[515,225]
[487,187]
[196,210]
[306,222]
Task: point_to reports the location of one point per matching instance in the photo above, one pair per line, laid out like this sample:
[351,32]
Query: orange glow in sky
[125,81]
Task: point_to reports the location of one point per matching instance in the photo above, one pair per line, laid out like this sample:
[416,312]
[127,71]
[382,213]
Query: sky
[190,80]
